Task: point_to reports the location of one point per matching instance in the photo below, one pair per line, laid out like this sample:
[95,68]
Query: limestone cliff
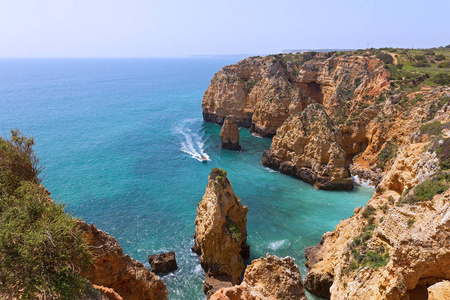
[112,269]
[221,230]
[399,244]
[267,278]
[381,119]
[261,92]
[230,134]
[308,146]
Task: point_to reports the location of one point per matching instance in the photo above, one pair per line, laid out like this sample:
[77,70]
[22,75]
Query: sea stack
[221,233]
[268,277]
[230,134]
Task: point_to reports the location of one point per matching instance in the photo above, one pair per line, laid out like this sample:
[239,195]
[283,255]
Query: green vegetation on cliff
[41,251]
[363,256]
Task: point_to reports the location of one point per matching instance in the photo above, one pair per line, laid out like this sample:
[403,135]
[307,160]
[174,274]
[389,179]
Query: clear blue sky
[150,28]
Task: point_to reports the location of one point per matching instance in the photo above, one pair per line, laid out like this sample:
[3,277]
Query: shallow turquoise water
[119,140]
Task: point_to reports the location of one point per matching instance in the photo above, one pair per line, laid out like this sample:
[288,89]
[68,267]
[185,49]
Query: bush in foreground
[41,251]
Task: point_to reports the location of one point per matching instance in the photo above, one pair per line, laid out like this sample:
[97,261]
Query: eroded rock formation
[393,247]
[163,262]
[230,134]
[112,269]
[261,92]
[221,232]
[308,146]
[268,278]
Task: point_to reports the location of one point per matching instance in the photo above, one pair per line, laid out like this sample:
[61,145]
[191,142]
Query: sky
[176,28]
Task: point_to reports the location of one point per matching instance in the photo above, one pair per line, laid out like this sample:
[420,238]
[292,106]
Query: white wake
[193,143]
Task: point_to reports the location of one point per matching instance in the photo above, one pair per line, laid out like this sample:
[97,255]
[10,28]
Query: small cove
[119,139]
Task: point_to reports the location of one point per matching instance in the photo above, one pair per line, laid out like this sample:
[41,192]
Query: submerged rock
[308,146]
[221,231]
[269,277]
[230,134]
[112,269]
[163,262]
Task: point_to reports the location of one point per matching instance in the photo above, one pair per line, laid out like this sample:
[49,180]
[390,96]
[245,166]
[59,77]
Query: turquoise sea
[120,141]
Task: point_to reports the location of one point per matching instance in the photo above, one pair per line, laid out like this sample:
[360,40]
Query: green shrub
[369,210]
[41,249]
[362,256]
[385,57]
[440,57]
[441,78]
[444,64]
[18,162]
[421,64]
[234,230]
[425,191]
[433,128]
[419,57]
[384,208]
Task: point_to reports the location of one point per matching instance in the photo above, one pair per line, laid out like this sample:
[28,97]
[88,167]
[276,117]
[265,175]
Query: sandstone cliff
[230,134]
[112,269]
[221,231]
[308,146]
[267,278]
[261,92]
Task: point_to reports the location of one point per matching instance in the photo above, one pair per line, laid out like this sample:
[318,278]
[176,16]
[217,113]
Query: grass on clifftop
[41,250]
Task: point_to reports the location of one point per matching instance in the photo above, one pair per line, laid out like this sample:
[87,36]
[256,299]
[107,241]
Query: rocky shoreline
[332,117]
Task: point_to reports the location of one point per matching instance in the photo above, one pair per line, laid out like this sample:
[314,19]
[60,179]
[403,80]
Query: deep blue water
[119,140]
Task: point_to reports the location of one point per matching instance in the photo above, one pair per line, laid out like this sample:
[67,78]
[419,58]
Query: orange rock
[221,231]
[111,268]
[267,278]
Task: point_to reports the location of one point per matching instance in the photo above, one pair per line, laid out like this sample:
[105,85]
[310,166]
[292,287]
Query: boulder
[268,278]
[163,262]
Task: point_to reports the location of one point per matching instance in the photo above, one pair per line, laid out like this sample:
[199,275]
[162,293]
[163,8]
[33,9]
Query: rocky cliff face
[112,269]
[388,129]
[221,231]
[268,278]
[396,246]
[230,134]
[308,146]
[261,92]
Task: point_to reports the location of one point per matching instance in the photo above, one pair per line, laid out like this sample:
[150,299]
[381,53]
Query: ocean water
[120,140]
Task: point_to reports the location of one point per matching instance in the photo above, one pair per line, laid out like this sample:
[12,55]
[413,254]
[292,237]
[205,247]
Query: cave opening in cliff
[315,92]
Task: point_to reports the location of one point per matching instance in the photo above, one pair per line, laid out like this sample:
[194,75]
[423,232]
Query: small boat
[204,159]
